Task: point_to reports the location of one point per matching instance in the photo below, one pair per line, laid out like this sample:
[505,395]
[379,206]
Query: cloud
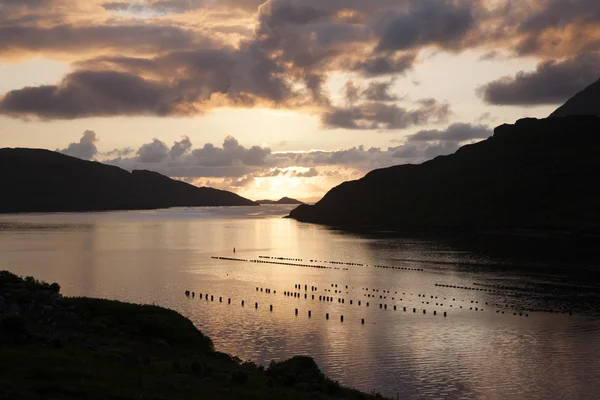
[124,152]
[90,93]
[427,22]
[379,115]
[386,64]
[459,132]
[379,91]
[181,147]
[85,148]
[154,152]
[552,82]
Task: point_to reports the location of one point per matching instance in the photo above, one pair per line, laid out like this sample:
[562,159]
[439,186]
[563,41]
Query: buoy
[327,316]
[255,305]
[342,318]
[212,298]
[359,302]
[434,312]
[296,311]
[271,307]
[228,301]
[242,303]
[424,312]
[414,310]
[309,313]
[394,308]
[444,313]
[220,299]
[193,294]
[362,321]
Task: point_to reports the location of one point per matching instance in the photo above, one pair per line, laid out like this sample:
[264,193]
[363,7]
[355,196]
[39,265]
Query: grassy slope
[82,348]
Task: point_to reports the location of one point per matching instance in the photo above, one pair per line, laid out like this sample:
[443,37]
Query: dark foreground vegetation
[534,175]
[36,180]
[54,347]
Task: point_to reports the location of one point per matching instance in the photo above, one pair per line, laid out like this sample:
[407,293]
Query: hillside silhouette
[535,174]
[45,181]
[283,200]
[586,102]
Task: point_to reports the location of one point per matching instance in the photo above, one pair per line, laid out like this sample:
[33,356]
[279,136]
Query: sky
[272,98]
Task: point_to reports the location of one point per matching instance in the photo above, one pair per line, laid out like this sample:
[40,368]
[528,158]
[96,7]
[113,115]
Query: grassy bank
[82,348]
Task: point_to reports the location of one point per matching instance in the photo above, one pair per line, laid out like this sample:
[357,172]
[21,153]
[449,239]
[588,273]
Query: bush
[13,324]
[239,377]
[55,287]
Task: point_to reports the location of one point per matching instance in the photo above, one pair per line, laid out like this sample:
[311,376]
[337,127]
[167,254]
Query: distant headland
[283,200]
[36,180]
[537,174]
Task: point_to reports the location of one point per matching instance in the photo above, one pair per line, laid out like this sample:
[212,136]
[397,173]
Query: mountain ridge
[534,174]
[39,180]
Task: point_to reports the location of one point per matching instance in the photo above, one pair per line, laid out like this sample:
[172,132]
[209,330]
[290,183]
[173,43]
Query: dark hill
[540,174]
[586,102]
[283,200]
[43,180]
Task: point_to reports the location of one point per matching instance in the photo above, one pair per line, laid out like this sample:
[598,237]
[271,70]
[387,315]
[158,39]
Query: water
[154,256]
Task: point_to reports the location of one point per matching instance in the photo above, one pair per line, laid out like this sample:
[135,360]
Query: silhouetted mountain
[586,102]
[540,174]
[43,180]
[283,200]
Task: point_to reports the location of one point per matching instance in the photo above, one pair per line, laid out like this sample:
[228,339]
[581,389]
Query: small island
[60,347]
[283,200]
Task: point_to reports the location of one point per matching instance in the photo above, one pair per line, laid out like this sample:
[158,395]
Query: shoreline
[76,347]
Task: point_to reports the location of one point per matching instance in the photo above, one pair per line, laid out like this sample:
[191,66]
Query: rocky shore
[56,347]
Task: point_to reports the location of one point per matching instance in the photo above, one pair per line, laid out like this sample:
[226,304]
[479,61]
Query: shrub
[239,377]
[13,324]
[55,287]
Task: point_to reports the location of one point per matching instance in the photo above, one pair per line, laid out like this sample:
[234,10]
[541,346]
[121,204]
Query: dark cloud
[379,91]
[386,65]
[427,22]
[85,148]
[139,38]
[90,93]
[378,115]
[552,82]
[351,92]
[561,13]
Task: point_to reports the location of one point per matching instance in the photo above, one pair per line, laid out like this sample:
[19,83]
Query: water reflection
[154,256]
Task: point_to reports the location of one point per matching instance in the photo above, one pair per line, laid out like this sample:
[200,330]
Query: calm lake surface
[481,350]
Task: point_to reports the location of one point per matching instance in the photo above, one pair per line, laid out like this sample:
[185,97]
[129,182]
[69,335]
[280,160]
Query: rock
[13,309]
[21,292]
[55,298]
[42,294]
[68,319]
[91,345]
[163,343]
[301,386]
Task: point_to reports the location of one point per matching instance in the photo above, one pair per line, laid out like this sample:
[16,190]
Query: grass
[83,348]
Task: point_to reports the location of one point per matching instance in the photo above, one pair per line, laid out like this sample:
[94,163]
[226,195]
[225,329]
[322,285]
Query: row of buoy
[399,268]
[475,289]
[299,286]
[230,259]
[290,264]
[330,299]
[189,293]
[266,290]
[281,258]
